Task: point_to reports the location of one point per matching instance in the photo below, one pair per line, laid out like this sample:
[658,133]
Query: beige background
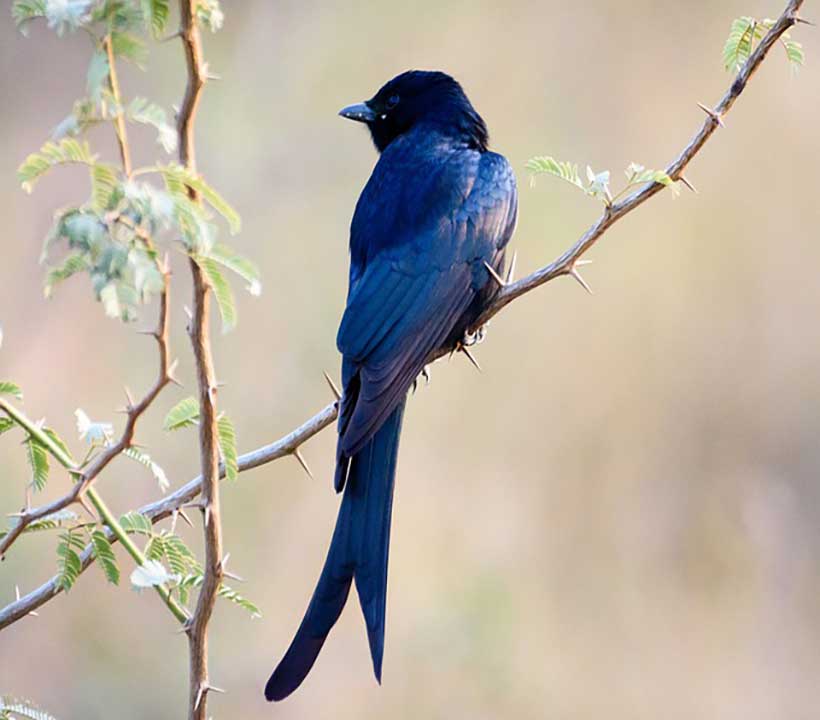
[618,519]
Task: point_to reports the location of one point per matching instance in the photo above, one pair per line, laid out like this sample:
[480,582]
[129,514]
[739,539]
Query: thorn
[207,513]
[716,118]
[494,275]
[184,516]
[298,455]
[199,693]
[511,271]
[686,182]
[83,500]
[195,505]
[185,627]
[169,373]
[188,312]
[173,36]
[232,576]
[336,392]
[128,397]
[152,333]
[583,283]
[583,262]
[17,599]
[801,21]
[224,561]
[471,358]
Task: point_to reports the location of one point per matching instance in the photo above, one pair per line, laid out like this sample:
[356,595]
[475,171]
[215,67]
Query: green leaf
[155,548]
[545,164]
[141,111]
[794,52]
[222,291]
[136,523]
[6,424]
[54,521]
[184,414]
[57,440]
[105,556]
[10,388]
[24,11]
[129,47]
[180,558]
[69,565]
[37,457]
[182,177]
[155,15]
[105,182]
[97,76]
[195,580]
[227,444]
[67,150]
[21,709]
[738,45]
[73,264]
[229,258]
[144,458]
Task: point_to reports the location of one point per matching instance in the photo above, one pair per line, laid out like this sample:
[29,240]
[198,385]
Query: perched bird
[438,207]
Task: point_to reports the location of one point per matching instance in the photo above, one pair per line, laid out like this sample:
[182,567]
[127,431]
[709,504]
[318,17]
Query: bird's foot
[475,338]
[425,373]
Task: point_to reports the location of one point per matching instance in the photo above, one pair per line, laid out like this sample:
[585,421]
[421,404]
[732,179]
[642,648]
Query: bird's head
[419,97]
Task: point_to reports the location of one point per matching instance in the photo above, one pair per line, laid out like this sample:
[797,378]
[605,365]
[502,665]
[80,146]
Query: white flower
[93,432]
[151,574]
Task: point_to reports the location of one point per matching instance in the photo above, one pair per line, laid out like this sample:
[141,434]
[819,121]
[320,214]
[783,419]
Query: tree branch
[85,476]
[199,330]
[563,265]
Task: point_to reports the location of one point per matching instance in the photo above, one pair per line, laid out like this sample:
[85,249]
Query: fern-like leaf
[144,459]
[21,709]
[222,291]
[545,165]
[229,258]
[104,553]
[227,444]
[10,388]
[67,150]
[136,523]
[69,565]
[37,457]
[184,414]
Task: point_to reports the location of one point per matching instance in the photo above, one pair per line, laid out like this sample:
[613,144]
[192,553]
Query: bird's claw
[475,338]
[425,373]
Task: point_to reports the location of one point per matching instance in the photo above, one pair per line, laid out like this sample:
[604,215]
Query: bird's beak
[360,112]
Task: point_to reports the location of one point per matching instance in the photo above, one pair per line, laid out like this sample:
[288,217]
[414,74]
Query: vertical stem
[119,118]
[206,382]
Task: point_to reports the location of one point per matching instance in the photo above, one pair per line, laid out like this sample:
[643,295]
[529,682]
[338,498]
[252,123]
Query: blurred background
[619,518]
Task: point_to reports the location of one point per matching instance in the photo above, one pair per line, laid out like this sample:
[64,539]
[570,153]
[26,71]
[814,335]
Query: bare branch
[206,381]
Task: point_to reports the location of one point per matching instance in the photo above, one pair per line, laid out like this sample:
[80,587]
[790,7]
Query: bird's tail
[359,549]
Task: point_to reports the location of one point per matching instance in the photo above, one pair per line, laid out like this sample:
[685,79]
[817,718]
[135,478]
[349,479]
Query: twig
[167,506]
[85,476]
[206,381]
[119,118]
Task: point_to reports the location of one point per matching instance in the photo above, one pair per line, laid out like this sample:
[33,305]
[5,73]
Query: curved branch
[563,265]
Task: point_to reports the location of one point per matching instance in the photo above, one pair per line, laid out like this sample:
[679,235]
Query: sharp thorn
[199,693]
[152,333]
[581,263]
[686,182]
[574,272]
[128,397]
[185,517]
[471,358]
[802,21]
[174,36]
[336,392]
[84,502]
[494,275]
[298,455]
[211,688]
[233,576]
[16,593]
[188,312]
[207,512]
[511,271]
[712,114]
[224,560]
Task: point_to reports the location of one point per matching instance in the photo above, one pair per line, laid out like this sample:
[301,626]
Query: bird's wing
[411,294]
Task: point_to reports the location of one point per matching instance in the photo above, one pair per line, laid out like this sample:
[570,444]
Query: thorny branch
[199,330]
[566,264]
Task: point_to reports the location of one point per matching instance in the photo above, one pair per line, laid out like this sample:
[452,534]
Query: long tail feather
[359,549]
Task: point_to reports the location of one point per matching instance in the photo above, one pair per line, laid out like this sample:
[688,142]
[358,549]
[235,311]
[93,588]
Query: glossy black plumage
[436,207]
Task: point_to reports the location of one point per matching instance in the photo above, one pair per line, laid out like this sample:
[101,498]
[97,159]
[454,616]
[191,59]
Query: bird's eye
[392,101]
